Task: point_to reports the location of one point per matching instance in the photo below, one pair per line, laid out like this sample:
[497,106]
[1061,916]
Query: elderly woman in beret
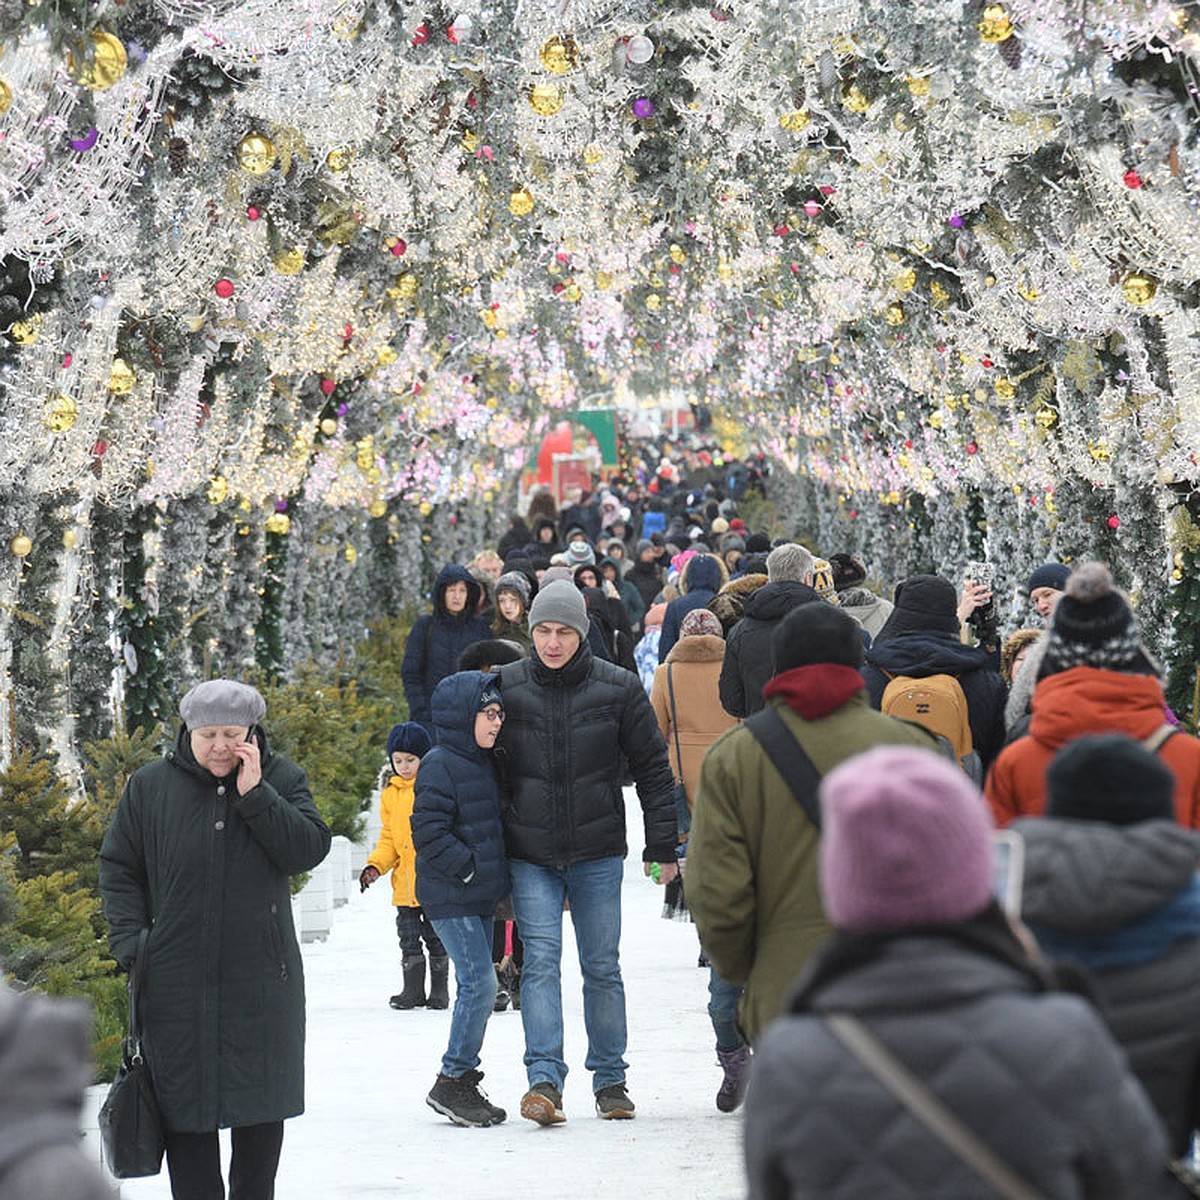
[200,853]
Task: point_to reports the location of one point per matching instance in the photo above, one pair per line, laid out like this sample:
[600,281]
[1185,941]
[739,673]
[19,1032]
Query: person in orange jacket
[394,852]
[1096,677]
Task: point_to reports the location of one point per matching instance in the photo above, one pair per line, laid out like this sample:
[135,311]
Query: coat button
[220,825]
[220,789]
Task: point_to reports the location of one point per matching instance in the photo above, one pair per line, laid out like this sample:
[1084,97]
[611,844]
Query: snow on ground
[368,1132]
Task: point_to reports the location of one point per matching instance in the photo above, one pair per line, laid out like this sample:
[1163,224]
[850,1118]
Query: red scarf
[816,690]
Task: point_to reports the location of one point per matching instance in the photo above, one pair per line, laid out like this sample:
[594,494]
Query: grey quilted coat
[1033,1073]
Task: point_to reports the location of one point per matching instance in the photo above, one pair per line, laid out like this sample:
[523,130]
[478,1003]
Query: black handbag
[131,1128]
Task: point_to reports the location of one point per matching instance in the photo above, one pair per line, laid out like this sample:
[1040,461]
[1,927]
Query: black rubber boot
[439,983]
[413,995]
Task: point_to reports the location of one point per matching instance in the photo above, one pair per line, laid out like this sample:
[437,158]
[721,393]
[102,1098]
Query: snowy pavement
[368,1132]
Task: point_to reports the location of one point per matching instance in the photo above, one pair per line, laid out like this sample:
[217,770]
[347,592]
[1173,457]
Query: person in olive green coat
[752,854]
[200,852]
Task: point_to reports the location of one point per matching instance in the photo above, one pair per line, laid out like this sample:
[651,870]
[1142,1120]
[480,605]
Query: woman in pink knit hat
[926,964]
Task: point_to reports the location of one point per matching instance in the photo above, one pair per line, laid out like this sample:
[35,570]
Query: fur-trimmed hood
[699,647]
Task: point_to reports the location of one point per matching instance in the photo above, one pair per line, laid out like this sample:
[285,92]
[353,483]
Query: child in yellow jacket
[406,745]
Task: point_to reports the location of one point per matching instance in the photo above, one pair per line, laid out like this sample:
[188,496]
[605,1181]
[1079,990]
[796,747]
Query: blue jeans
[723,1000]
[594,891]
[468,941]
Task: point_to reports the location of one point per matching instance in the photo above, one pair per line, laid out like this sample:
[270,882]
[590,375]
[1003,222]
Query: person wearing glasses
[462,875]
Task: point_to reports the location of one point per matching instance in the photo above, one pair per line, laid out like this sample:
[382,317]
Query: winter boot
[735,1064]
[514,986]
[413,995]
[459,1099]
[502,994]
[439,983]
[476,1077]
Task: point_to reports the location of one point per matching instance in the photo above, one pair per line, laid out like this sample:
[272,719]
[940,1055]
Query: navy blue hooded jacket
[435,642]
[705,576]
[456,826]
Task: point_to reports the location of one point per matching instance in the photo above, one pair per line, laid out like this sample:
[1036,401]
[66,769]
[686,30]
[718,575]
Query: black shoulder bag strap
[675,726]
[137,980]
[789,759]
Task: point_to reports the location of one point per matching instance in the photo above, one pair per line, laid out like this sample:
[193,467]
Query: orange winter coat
[1080,701]
[695,669]
[394,851]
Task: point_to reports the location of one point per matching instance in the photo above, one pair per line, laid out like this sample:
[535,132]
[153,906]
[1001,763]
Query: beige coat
[695,664]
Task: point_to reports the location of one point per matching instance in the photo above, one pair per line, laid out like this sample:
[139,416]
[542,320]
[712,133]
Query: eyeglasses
[493,714]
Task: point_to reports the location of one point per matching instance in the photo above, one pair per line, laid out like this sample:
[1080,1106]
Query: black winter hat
[1052,575]
[1093,626]
[924,603]
[816,633]
[848,571]
[758,543]
[409,738]
[1109,777]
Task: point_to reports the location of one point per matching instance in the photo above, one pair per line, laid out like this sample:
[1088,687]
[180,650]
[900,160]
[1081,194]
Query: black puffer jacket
[933,652]
[749,662]
[566,736]
[1123,902]
[209,873]
[456,814]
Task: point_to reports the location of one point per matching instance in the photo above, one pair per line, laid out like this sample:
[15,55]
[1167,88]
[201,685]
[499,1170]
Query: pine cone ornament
[177,155]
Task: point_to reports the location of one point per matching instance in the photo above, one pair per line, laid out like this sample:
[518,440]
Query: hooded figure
[45,1064]
[701,578]
[438,638]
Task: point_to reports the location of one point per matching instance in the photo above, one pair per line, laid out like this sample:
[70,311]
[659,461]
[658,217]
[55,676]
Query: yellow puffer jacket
[395,846]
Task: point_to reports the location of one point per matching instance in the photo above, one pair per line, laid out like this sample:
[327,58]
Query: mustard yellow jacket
[394,851]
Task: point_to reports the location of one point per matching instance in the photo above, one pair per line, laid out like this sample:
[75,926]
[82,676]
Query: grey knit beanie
[562,603]
[789,561]
[514,581]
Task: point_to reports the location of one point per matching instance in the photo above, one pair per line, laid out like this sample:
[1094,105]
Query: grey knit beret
[562,603]
[222,702]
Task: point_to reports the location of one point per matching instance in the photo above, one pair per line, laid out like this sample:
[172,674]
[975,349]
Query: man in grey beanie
[571,723]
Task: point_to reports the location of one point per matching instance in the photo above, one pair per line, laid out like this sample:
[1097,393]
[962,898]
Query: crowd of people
[823,760]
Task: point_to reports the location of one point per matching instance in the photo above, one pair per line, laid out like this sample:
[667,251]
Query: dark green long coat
[209,874]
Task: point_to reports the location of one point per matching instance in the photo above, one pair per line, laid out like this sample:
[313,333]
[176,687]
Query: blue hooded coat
[703,575]
[456,826]
[435,642]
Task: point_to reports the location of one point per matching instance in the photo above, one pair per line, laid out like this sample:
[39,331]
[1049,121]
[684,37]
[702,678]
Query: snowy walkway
[368,1132]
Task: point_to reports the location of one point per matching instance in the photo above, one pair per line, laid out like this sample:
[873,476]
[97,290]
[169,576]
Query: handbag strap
[674,724]
[928,1109]
[789,758]
[137,980]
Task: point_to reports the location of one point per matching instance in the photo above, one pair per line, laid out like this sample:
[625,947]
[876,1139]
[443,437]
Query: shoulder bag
[683,814]
[131,1128]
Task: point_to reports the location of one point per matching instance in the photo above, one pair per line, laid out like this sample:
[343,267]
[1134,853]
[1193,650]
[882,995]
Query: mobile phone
[983,573]
[1010,870]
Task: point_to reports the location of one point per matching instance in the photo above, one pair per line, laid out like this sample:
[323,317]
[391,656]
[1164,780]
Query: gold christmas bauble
[795,122]
[996,25]
[559,55]
[386,355]
[545,99]
[70,539]
[20,545]
[378,508]
[289,262]
[256,153]
[918,85]
[894,314]
[329,427]
[373,475]
[520,203]
[61,413]
[855,99]
[339,159]
[654,302]
[25,333]
[1046,417]
[592,154]
[1139,289]
[278,522]
[6,96]
[905,281]
[406,286]
[351,555]
[120,378]
[218,489]
[424,508]
[101,68]
[1004,388]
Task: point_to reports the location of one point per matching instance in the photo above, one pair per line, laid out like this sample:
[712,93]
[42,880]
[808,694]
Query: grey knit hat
[222,702]
[562,603]
[580,552]
[789,561]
